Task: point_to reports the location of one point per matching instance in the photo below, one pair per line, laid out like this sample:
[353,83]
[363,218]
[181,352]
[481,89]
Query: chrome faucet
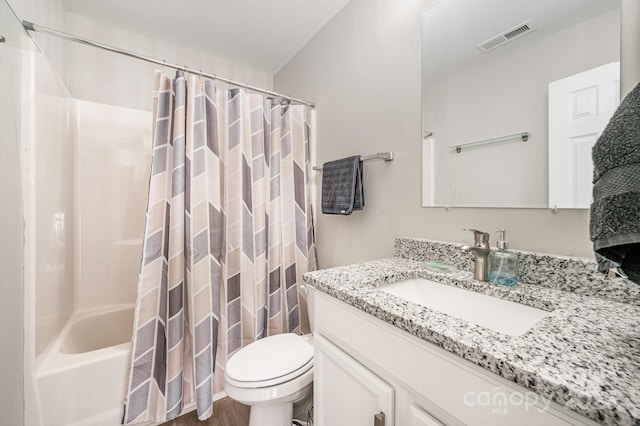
[480,250]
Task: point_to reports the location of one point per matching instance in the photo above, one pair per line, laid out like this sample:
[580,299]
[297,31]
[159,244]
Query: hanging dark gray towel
[615,212]
[342,186]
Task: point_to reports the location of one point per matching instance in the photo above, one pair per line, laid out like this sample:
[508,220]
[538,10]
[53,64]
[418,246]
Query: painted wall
[630,49]
[11,230]
[363,71]
[98,76]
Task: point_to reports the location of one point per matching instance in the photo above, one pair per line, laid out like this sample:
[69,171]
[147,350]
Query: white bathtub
[81,378]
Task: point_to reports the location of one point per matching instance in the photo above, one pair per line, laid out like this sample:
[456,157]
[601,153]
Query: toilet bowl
[272,374]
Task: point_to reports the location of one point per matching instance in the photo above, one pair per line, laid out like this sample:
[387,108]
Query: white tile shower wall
[113,151]
[363,71]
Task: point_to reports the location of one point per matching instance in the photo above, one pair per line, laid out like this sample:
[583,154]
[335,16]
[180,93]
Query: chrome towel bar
[386,156]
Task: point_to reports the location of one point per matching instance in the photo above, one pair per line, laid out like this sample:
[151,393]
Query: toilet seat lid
[269,358]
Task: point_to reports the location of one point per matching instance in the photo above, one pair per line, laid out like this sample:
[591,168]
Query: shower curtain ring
[163,64]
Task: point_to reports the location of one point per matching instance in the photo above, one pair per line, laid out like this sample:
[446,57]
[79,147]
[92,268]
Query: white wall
[112,148]
[11,226]
[63,185]
[20,314]
[50,213]
[53,78]
[363,71]
[18,188]
[112,154]
[98,76]
[630,49]
[103,77]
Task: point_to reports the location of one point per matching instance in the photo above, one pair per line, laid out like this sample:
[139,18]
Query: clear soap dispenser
[503,263]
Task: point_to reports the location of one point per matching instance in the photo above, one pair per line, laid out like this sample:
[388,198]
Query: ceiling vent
[505,37]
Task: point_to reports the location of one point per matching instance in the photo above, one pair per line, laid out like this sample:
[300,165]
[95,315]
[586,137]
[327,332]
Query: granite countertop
[585,357]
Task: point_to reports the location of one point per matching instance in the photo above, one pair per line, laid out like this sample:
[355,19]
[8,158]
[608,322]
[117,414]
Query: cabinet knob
[378,419]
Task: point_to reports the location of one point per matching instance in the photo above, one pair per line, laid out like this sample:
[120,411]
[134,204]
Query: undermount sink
[503,316]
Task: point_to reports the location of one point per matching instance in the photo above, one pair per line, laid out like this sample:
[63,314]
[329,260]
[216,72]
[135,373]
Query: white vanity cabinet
[365,366]
[348,393]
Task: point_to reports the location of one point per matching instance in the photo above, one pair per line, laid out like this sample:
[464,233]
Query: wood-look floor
[226,412]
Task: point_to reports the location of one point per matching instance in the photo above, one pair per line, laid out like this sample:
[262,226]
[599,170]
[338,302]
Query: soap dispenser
[503,263]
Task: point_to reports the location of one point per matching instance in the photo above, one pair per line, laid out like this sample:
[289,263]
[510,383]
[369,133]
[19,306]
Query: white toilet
[271,374]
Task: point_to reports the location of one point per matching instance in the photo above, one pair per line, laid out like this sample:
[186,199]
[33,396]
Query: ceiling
[261,34]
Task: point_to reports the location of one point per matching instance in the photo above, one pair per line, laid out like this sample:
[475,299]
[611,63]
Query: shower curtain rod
[30,26]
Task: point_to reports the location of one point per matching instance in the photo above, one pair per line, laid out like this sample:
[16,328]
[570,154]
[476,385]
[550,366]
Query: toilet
[272,374]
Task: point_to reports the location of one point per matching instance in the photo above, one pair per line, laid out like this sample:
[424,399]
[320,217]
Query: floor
[226,412]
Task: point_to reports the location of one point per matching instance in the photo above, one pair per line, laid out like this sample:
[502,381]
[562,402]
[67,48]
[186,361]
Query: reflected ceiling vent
[505,37]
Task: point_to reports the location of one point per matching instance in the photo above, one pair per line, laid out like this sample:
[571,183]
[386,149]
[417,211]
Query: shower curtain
[228,235]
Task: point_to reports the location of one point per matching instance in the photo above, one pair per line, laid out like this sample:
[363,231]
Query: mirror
[490,71]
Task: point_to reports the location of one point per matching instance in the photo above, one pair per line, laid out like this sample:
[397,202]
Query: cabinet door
[345,392]
[420,417]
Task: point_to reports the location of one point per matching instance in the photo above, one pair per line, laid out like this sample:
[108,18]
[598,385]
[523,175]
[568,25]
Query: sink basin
[503,316]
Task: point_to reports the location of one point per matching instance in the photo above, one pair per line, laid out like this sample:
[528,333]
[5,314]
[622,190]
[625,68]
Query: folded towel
[615,212]
[342,186]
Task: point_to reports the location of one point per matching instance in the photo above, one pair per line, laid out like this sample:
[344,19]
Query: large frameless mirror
[514,94]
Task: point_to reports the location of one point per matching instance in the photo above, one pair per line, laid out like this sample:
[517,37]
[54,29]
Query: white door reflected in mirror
[580,106]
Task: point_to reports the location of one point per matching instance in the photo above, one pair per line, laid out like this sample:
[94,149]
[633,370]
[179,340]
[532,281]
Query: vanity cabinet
[348,393]
[364,366]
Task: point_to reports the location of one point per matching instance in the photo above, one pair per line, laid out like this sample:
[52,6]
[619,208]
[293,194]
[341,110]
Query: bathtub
[81,378]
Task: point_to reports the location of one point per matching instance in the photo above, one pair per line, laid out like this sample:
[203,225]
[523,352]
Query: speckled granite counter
[586,356]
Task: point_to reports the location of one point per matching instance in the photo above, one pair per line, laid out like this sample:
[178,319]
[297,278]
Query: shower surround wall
[112,179]
[84,184]
[51,202]
[63,73]
[81,372]
[68,148]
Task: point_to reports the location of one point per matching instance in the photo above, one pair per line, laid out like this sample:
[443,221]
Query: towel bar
[524,136]
[386,156]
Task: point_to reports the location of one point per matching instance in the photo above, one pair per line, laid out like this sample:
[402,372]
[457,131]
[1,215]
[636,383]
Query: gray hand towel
[615,212]
[342,186]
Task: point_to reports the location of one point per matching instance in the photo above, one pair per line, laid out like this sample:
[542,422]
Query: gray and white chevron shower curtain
[228,235]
